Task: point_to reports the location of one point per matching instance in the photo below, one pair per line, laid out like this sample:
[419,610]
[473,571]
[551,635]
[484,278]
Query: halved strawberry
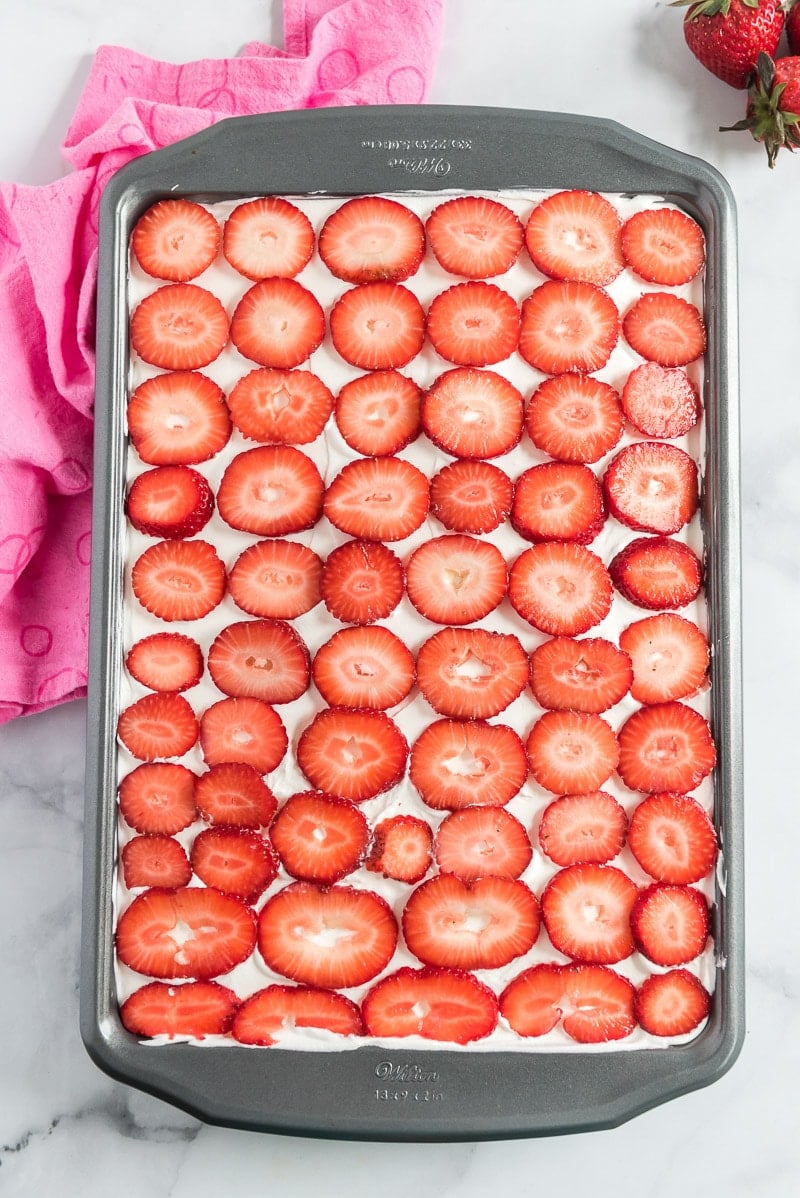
[368,667]
[377,499]
[244,730]
[587,827]
[560,588]
[478,842]
[568,326]
[660,402]
[260,659]
[670,923]
[267,237]
[158,797]
[155,861]
[558,501]
[234,795]
[594,1003]
[195,1009]
[481,925]
[469,673]
[158,725]
[670,657]
[667,746]
[179,327]
[473,413]
[664,328]
[379,413]
[474,324]
[271,490]
[355,754]
[672,838]
[178,419]
[469,496]
[169,501]
[652,487]
[372,237]
[361,581]
[657,572]
[575,235]
[401,848]
[333,937]
[586,909]
[456,579]
[574,417]
[234,860]
[474,236]
[447,1005]
[179,580]
[176,240]
[280,406]
[589,675]
[378,326]
[319,837]
[278,322]
[672,1003]
[264,1015]
[571,752]
[276,579]
[461,763]
[166,661]
[663,245]
[192,932]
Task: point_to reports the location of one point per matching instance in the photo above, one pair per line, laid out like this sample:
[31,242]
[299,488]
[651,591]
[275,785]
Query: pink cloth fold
[337,52]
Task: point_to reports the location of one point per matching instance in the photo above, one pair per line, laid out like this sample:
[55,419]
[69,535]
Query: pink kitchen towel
[336,52]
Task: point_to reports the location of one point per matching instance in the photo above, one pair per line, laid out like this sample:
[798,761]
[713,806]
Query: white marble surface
[65,1128]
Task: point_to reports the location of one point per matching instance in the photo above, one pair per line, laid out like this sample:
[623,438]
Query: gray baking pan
[372,1093]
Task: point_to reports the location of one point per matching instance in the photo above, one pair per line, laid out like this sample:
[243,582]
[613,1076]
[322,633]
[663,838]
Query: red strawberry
[670,657]
[333,937]
[170,501]
[657,572]
[588,828]
[264,1015]
[665,329]
[469,673]
[483,925]
[595,1004]
[473,324]
[477,842]
[195,1009]
[243,730]
[446,1005]
[586,909]
[378,326]
[589,675]
[473,413]
[469,496]
[475,237]
[571,752]
[652,487]
[320,837]
[372,237]
[277,323]
[178,419]
[663,245]
[233,795]
[379,413]
[158,725]
[179,327]
[667,746]
[175,240]
[271,490]
[773,109]
[456,579]
[660,402]
[401,848]
[155,861]
[568,326]
[575,235]
[558,501]
[560,588]
[166,661]
[377,499]
[179,580]
[361,581]
[672,1003]
[368,668]
[672,838]
[158,797]
[188,933]
[532,1001]
[355,754]
[726,36]
[793,29]
[280,406]
[276,579]
[235,861]
[574,417]
[670,923]
[460,763]
[267,237]
[259,659]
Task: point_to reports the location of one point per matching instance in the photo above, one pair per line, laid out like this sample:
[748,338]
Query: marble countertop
[66,1128]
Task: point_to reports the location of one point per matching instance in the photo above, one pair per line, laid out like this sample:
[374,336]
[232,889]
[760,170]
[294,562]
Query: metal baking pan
[373,1093]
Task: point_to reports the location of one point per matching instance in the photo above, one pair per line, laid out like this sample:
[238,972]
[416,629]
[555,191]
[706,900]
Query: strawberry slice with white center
[158,797]
[667,746]
[361,581]
[178,419]
[179,580]
[234,860]
[401,848]
[179,327]
[571,752]
[158,725]
[672,1003]
[260,659]
[473,413]
[456,579]
[663,245]
[264,1015]
[378,326]
[243,730]
[368,668]
[175,240]
[586,909]
[446,1005]
[575,235]
[279,580]
[593,1003]
[670,657]
[377,499]
[474,237]
[583,828]
[672,838]
[187,933]
[379,413]
[195,1009]
[469,673]
[657,572]
[234,795]
[479,842]
[574,417]
[166,661]
[665,329]
[370,238]
[660,402]
[280,406]
[271,490]
[560,588]
[355,754]
[652,487]
[460,763]
[474,324]
[155,861]
[558,501]
[319,837]
[278,322]
[568,326]
[471,496]
[670,923]
[588,675]
[170,501]
[267,237]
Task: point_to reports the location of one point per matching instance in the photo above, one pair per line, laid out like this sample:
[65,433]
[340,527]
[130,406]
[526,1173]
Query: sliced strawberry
[233,795]
[469,673]
[196,1009]
[589,675]
[672,838]
[482,925]
[568,326]
[235,861]
[478,842]
[560,588]
[473,413]
[178,419]
[333,937]
[657,572]
[401,848]
[595,1004]
[158,797]
[558,501]
[586,910]
[446,1005]
[361,581]
[155,861]
[670,923]
[319,837]
[670,657]
[471,496]
[571,752]
[179,580]
[379,413]
[187,933]
[260,659]
[278,322]
[663,245]
[175,240]
[170,501]
[456,579]
[532,1002]
[667,746]
[372,237]
[574,417]
[474,236]
[280,406]
[355,754]
[575,235]
[243,730]
[267,238]
[586,827]
[278,580]
[474,324]
[377,499]
[368,668]
[264,1015]
[179,327]
[460,763]
[652,487]
[665,329]
[660,402]
[378,326]
[166,661]
[271,490]
[672,1003]
[158,725]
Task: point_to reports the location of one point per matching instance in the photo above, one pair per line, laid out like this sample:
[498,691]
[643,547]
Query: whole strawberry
[727,36]
[773,105]
[793,28]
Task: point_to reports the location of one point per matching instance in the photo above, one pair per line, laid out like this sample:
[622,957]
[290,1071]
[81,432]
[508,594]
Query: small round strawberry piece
[445,1005]
[158,725]
[586,910]
[401,848]
[672,838]
[667,746]
[367,668]
[267,238]
[472,674]
[377,499]
[179,580]
[158,797]
[234,795]
[657,572]
[264,1015]
[178,419]
[594,1003]
[379,413]
[652,487]
[660,402]
[575,235]
[560,588]
[588,828]
[571,752]
[568,326]
[270,491]
[175,240]
[193,932]
[473,413]
[179,327]
[665,329]
[574,418]
[474,324]
[166,661]
[259,659]
[670,657]
[196,1009]
[378,326]
[320,837]
[279,580]
[456,579]
[279,407]
[474,237]
[672,1003]
[155,861]
[170,501]
[478,842]
[354,754]
[670,923]
[589,675]
[663,245]
[277,323]
[243,730]
[370,238]
[460,763]
[558,501]
[471,497]
[361,581]
[234,860]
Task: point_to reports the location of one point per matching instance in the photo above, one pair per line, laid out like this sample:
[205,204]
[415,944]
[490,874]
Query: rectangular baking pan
[372,1093]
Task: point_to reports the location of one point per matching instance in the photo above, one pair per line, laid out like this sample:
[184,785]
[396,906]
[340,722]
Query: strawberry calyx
[767,120]
[709,8]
